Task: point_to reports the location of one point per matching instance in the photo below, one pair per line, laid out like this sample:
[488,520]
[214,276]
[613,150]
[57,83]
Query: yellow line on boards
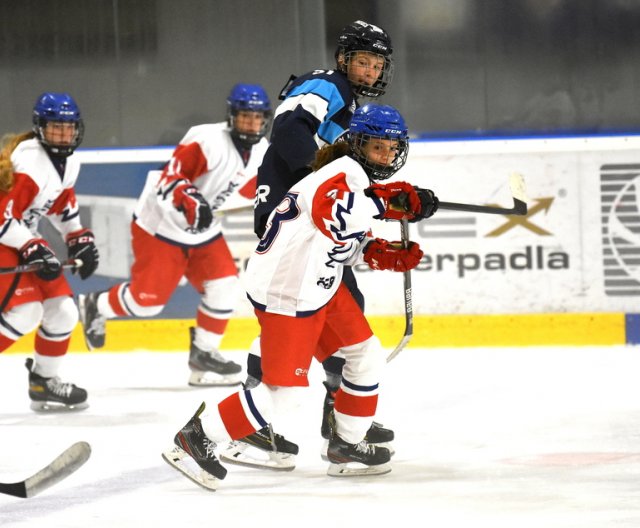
[429,331]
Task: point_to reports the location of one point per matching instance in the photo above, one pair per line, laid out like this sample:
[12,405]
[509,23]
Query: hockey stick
[516,183]
[233,210]
[26,268]
[408,302]
[61,467]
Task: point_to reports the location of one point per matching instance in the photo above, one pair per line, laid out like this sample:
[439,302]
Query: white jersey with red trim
[322,224]
[38,190]
[207,158]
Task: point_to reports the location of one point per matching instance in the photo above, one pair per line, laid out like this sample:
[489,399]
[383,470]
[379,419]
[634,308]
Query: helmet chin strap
[244,139]
[58,151]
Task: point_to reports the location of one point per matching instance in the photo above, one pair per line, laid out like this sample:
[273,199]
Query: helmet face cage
[378,122]
[57,108]
[376,171]
[361,36]
[248,98]
[380,86]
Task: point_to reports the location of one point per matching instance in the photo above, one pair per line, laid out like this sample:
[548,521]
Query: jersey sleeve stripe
[322,89]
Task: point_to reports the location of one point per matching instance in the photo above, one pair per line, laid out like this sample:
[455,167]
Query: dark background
[143,71]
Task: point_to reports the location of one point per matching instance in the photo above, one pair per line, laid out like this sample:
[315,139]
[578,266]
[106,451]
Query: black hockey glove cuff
[36,251]
[81,246]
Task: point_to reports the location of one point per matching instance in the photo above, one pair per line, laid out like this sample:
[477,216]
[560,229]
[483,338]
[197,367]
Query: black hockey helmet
[362,36]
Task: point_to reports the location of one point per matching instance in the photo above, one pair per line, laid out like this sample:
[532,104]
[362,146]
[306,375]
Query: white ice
[509,437]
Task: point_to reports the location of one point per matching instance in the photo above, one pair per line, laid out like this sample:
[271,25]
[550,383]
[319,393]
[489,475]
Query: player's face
[60,133]
[247,122]
[365,68]
[381,151]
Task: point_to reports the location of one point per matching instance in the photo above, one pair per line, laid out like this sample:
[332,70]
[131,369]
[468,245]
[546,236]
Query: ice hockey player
[304,309]
[37,176]
[175,234]
[316,111]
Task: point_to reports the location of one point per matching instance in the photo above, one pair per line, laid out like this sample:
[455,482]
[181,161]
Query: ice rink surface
[510,437]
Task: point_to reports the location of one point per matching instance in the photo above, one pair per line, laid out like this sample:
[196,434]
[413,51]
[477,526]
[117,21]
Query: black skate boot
[356,459]
[377,434]
[327,409]
[51,394]
[210,368]
[93,324]
[274,451]
[192,441]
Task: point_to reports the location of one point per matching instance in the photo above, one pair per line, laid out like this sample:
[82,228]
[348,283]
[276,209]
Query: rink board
[567,273]
[429,332]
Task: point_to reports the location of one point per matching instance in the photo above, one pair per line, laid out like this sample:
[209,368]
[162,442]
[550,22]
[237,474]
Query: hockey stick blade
[400,346]
[27,268]
[60,468]
[518,192]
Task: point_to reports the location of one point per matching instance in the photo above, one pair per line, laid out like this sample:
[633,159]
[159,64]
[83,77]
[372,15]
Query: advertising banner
[576,250]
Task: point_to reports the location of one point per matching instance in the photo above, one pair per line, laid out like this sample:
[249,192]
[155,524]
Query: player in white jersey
[37,177]
[175,234]
[316,110]
[294,283]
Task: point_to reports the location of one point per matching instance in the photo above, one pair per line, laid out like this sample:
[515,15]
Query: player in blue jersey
[315,111]
[317,108]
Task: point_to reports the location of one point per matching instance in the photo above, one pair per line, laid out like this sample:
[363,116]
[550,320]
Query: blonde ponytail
[7,145]
[329,153]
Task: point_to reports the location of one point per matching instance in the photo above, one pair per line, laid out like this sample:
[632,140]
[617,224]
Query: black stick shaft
[519,208]
[28,268]
[408,298]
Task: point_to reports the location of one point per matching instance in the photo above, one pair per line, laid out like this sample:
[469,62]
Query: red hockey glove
[384,255]
[400,199]
[81,245]
[428,204]
[188,200]
[36,251]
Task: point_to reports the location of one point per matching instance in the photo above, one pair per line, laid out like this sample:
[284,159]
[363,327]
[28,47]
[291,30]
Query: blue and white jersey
[316,110]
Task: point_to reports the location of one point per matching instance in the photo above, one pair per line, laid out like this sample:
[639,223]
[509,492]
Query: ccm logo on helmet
[392,131]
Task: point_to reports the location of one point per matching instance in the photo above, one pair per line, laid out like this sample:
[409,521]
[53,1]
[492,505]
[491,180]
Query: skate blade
[243,454]
[57,407]
[325,447]
[177,458]
[355,469]
[200,378]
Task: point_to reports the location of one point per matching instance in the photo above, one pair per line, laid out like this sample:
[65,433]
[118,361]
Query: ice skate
[52,395]
[93,324]
[210,369]
[352,460]
[262,449]
[194,454]
[377,434]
